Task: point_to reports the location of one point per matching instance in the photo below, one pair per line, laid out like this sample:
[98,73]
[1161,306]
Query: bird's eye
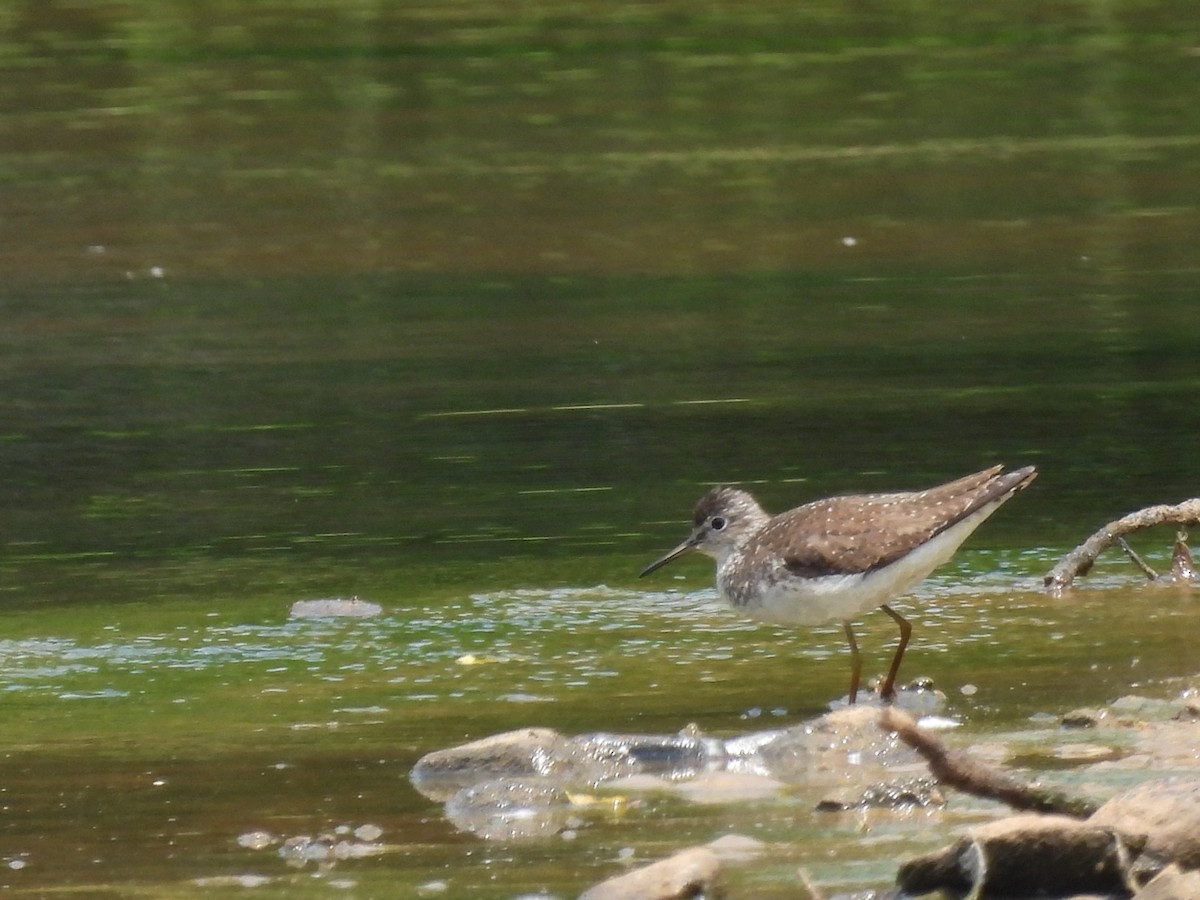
[717,523]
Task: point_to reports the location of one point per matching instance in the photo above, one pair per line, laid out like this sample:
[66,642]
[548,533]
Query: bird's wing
[844,535]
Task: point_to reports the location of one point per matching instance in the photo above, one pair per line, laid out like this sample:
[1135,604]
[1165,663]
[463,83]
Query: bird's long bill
[683,548]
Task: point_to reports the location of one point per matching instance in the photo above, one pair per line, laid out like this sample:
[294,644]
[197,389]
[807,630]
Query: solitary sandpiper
[836,558]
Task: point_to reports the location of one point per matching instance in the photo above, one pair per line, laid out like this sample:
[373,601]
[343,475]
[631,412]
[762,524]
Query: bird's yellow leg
[855,661]
[889,685]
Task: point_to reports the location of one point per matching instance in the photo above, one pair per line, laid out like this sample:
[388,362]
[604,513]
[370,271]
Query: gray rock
[330,607]
[845,748]
[524,753]
[848,739]
[690,873]
[509,809]
[1172,883]
[676,756]
[1164,814]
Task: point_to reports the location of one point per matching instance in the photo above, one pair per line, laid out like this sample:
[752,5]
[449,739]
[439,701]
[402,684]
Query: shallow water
[459,311]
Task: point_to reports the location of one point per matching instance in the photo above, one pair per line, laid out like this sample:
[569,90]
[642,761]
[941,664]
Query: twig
[814,892]
[1080,560]
[1137,560]
[959,770]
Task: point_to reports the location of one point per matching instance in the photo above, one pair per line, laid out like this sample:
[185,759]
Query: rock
[1082,718]
[896,794]
[678,756]
[524,753]
[256,840]
[329,607]
[727,787]
[1164,814]
[1132,706]
[510,809]
[847,740]
[572,761]
[1190,712]
[845,748]
[1128,841]
[690,873]
[1085,753]
[736,847]
[1172,883]
[1028,855]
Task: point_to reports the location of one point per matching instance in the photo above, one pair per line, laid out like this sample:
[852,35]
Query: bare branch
[1137,560]
[959,770]
[1081,559]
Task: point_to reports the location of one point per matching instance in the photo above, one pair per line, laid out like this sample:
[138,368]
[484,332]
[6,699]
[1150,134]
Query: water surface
[459,310]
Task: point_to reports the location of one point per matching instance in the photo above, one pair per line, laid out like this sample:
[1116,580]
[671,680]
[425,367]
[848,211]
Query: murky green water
[458,309]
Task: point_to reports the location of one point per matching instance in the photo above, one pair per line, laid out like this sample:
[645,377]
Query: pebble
[368,832]
[256,840]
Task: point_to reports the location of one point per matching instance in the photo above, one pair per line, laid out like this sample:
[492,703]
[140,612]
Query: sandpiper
[834,559]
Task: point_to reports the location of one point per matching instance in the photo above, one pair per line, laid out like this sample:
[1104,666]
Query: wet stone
[1190,711]
[326,849]
[509,809]
[1164,813]
[900,793]
[256,840]
[1172,883]
[675,755]
[523,753]
[691,873]
[847,737]
[1134,706]
[513,785]
[727,787]
[1082,718]
[332,607]
[736,847]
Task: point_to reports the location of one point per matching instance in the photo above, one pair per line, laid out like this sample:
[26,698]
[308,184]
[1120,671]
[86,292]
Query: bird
[834,559]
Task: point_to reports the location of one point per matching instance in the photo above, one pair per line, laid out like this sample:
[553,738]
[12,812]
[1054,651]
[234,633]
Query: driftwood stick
[959,770]
[1080,560]
[1137,560]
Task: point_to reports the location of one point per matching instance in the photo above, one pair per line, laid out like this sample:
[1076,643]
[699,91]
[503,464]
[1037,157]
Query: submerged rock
[513,785]
[523,753]
[844,743]
[569,761]
[736,847]
[694,872]
[678,756]
[511,808]
[330,607]
[326,849]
